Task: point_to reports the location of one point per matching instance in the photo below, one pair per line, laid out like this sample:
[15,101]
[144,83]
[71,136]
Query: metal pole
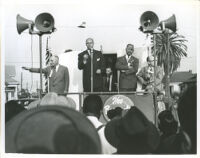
[91,70]
[154,64]
[154,79]
[168,73]
[21,80]
[40,44]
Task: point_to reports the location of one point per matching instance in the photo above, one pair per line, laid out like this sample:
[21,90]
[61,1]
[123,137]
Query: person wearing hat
[51,130]
[133,133]
[92,107]
[12,108]
[187,112]
[146,76]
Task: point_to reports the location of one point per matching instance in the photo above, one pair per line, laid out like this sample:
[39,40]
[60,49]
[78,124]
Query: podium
[142,100]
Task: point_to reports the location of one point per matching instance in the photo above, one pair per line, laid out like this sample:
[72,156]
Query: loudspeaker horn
[149,21]
[23,24]
[44,22]
[170,23]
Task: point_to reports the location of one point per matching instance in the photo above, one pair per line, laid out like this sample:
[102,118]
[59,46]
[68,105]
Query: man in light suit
[146,76]
[128,67]
[84,63]
[58,75]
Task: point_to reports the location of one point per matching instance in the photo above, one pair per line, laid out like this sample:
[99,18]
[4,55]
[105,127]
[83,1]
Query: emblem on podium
[117,101]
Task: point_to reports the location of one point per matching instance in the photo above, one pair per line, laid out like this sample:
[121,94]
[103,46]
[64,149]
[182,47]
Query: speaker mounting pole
[44,23]
[41,86]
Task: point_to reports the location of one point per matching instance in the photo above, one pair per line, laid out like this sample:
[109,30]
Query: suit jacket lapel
[125,61]
[131,59]
[57,72]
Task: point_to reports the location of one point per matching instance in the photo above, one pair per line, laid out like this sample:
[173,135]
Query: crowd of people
[52,125]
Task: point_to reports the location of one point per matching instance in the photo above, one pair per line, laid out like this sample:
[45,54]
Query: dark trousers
[98,89]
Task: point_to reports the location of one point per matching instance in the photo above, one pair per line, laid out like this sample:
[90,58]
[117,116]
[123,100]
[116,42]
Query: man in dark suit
[98,66]
[58,75]
[110,80]
[128,67]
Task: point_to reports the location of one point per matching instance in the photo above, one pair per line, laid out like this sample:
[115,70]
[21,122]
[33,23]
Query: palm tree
[169,47]
[177,50]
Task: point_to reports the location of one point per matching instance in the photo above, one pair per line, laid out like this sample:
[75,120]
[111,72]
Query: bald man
[99,70]
[58,75]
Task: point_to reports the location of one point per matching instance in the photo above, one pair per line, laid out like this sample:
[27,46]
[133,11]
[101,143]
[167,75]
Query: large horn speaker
[170,23]
[44,22]
[23,24]
[149,21]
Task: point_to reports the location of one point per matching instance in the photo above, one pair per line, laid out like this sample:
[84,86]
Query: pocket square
[98,59]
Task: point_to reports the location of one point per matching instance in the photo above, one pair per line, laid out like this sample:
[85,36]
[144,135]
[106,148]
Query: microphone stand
[91,53]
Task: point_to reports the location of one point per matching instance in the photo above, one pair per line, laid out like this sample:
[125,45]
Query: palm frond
[177,50]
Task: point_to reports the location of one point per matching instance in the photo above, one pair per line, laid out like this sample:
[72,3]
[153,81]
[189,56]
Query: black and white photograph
[99,78]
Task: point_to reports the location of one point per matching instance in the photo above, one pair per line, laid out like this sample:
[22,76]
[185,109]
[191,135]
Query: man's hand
[25,68]
[85,58]
[98,71]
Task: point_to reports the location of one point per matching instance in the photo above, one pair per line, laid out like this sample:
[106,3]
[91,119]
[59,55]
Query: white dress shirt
[107,148]
[127,59]
[57,66]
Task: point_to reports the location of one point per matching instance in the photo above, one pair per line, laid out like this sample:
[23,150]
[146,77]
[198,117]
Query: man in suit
[58,75]
[98,66]
[146,76]
[110,80]
[128,67]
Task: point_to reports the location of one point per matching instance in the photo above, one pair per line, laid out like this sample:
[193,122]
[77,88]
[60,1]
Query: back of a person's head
[12,108]
[60,130]
[92,105]
[53,99]
[167,123]
[187,112]
[66,101]
[117,112]
[49,99]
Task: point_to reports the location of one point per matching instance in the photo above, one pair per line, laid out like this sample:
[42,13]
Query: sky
[112,25]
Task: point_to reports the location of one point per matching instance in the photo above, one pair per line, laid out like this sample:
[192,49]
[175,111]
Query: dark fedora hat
[167,123]
[51,129]
[133,133]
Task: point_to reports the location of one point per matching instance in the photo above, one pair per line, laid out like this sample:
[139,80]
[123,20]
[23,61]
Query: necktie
[54,72]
